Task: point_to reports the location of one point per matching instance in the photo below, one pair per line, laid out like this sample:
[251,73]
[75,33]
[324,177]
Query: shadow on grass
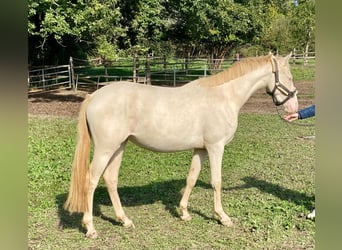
[282,193]
[52,96]
[168,192]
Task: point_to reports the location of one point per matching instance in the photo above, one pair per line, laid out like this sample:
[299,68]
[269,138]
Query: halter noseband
[281,87]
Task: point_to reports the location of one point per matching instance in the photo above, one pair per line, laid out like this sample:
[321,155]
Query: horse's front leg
[215,158]
[198,158]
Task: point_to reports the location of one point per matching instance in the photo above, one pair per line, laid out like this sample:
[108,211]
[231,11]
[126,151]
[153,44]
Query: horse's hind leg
[198,158]
[111,179]
[97,166]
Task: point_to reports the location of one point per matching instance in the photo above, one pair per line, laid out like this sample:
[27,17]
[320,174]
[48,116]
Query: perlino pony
[201,115]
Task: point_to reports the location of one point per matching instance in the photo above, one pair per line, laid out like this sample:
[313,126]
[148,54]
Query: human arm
[301,114]
[307,112]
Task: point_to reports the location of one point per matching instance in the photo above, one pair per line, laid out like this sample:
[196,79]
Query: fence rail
[49,78]
[147,70]
[101,80]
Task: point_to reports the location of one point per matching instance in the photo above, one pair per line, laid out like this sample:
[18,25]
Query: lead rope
[307,124]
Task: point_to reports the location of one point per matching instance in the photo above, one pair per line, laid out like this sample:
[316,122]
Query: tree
[47,24]
[286,24]
[276,36]
[145,26]
[59,29]
[303,25]
[56,26]
[215,27]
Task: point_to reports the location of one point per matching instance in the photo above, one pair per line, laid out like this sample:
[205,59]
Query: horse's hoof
[92,235]
[227,222]
[128,224]
[186,217]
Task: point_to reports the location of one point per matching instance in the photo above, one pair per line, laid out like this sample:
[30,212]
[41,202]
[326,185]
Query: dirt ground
[67,102]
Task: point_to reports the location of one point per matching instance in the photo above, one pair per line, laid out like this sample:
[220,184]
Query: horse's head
[282,89]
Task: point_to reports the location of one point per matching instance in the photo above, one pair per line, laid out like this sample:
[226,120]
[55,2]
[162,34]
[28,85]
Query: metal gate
[50,78]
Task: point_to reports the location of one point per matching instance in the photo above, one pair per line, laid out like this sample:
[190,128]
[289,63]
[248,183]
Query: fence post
[105,64]
[205,69]
[135,68]
[164,66]
[294,56]
[305,55]
[187,61]
[236,57]
[43,80]
[72,74]
[148,70]
[174,75]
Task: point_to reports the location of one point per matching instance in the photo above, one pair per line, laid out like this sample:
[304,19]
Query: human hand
[291,117]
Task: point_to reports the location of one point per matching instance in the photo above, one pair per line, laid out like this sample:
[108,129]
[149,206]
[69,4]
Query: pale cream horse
[201,115]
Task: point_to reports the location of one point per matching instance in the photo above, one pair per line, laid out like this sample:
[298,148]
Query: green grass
[303,73]
[267,179]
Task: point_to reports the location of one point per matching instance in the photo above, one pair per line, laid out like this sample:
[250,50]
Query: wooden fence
[147,70]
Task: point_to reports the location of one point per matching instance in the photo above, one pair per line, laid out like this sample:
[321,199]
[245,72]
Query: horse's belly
[171,143]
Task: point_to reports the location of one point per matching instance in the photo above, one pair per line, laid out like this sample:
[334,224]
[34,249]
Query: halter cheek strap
[280,87]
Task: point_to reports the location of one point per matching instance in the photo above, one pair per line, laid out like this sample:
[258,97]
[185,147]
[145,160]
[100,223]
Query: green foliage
[105,49]
[267,180]
[106,29]
[88,23]
[303,25]
[215,27]
[277,35]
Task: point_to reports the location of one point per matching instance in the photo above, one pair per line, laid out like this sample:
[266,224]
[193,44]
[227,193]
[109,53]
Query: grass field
[268,188]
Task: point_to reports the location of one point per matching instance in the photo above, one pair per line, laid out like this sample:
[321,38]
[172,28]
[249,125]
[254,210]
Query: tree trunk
[306,53]
[216,57]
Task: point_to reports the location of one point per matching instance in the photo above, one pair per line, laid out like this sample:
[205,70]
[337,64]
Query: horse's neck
[242,88]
